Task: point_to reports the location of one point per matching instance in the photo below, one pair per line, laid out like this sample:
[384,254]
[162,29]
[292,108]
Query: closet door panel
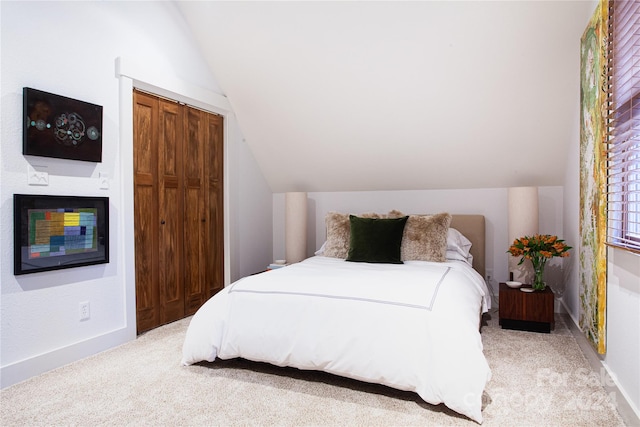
[145,211]
[170,211]
[215,232]
[194,252]
[195,219]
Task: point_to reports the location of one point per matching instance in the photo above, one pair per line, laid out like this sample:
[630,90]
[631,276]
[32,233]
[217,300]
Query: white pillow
[320,251]
[455,256]
[458,247]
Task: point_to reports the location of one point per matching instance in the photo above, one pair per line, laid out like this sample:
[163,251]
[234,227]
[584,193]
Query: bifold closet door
[195,216]
[214,265]
[203,213]
[171,208]
[146,220]
[178,209]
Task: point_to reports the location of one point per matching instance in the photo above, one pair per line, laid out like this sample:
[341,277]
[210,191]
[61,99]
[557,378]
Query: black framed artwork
[57,126]
[56,232]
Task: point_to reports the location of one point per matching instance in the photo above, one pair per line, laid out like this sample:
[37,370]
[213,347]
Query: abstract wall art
[56,232]
[57,126]
[592,248]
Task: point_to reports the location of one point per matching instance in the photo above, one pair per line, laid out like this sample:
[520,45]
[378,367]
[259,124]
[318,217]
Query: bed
[410,323]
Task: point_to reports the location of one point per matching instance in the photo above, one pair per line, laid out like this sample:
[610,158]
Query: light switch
[104,181]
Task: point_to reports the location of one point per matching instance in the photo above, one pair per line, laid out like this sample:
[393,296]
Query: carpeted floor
[538,380]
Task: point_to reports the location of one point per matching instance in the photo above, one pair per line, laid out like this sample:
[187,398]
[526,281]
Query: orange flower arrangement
[538,249]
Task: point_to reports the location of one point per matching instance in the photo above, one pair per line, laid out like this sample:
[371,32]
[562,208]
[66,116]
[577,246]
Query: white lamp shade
[295,233]
[523,221]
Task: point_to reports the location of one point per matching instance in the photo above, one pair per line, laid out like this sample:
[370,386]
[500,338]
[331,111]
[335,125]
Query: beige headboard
[472,226]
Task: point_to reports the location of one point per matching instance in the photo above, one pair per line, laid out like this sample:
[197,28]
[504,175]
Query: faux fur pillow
[425,236]
[339,233]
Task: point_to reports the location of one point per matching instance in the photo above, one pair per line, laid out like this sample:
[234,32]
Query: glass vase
[538,279]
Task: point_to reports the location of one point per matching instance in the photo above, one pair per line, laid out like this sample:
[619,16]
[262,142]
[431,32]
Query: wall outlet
[84,311]
[489,274]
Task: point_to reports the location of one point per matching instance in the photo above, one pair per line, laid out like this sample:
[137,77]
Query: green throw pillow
[375,240]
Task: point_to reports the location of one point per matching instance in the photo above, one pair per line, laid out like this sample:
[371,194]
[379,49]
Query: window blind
[623,125]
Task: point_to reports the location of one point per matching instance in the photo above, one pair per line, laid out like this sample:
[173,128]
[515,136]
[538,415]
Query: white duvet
[411,326]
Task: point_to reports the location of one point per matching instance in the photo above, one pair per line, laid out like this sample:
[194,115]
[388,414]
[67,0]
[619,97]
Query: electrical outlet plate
[84,311]
[489,274]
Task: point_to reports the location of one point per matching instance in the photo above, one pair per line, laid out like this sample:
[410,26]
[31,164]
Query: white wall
[492,203]
[623,323]
[70,48]
[252,220]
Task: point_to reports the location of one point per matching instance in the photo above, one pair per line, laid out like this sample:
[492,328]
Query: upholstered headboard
[472,226]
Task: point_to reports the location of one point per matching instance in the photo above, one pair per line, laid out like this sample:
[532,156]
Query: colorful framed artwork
[56,232]
[57,126]
[593,182]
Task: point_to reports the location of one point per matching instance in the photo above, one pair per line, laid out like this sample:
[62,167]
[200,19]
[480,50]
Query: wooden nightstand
[528,311]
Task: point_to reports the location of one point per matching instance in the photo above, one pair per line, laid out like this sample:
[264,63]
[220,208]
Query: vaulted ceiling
[340,96]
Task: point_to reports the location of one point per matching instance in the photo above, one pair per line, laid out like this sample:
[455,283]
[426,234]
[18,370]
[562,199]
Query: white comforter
[412,326]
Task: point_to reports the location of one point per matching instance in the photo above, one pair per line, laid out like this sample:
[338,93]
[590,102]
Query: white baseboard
[23,370]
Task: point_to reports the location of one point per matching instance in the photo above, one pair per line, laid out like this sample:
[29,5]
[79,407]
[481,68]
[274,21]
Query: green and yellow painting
[592,252]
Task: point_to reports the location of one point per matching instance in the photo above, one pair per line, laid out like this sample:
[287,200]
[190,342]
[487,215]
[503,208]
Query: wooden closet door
[145,183]
[215,231]
[178,158]
[204,239]
[195,217]
[171,210]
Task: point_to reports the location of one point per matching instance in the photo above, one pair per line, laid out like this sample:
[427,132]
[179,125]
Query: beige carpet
[538,380]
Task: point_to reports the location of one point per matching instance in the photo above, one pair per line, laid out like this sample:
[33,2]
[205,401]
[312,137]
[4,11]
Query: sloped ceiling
[345,96]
